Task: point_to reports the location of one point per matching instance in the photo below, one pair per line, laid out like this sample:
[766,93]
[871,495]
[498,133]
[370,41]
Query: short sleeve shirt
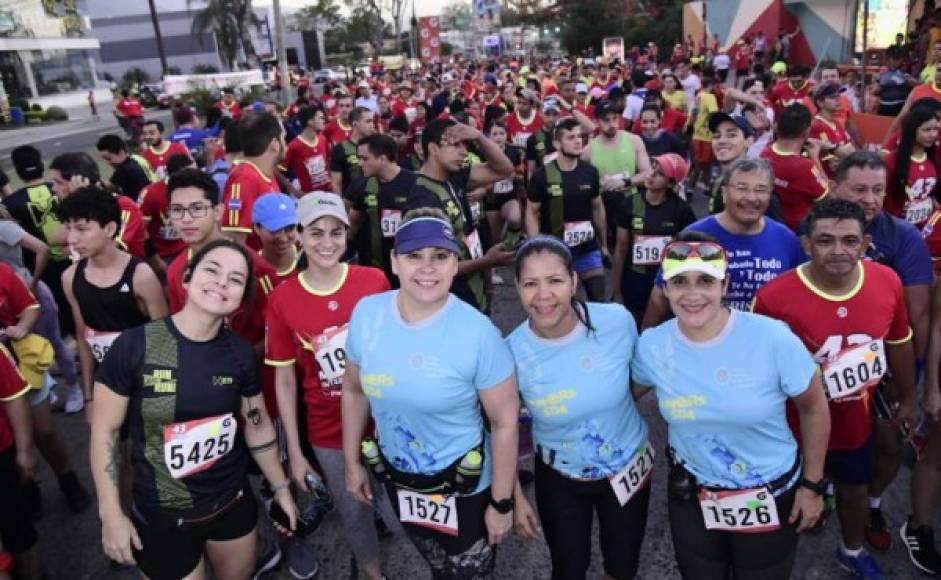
[308,162]
[798,183]
[130,178]
[12,387]
[15,297]
[245,184]
[580,187]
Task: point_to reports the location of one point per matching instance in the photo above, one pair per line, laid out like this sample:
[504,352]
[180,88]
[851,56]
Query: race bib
[100,342]
[648,250]
[330,353]
[577,233]
[744,510]
[315,165]
[197,445]
[472,241]
[521,138]
[390,220]
[477,209]
[431,511]
[504,186]
[854,369]
[168,232]
[919,210]
[634,475]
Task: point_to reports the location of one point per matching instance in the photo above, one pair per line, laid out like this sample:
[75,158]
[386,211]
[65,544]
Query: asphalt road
[70,544]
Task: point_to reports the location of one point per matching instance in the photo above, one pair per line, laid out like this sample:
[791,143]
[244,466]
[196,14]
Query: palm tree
[218,18]
[246,17]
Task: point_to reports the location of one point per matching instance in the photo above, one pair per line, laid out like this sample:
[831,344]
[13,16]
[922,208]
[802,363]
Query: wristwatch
[818,488]
[503,506]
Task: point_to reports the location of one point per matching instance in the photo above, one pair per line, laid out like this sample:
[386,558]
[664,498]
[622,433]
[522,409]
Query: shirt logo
[125,288]
[161,380]
[222,381]
[235,204]
[842,312]
[333,305]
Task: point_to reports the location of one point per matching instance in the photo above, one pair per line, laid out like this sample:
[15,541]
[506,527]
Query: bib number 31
[197,445]
[430,511]
[634,475]
[744,511]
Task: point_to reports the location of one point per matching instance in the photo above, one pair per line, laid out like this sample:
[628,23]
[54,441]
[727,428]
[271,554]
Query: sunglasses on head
[706,251]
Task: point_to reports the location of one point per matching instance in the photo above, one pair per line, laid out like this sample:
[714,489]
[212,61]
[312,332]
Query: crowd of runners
[301,296]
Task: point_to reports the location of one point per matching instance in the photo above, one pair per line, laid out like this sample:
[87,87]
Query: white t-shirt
[721,62]
[633,107]
[691,85]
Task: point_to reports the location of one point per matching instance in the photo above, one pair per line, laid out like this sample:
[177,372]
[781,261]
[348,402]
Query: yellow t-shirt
[706,105]
[678,100]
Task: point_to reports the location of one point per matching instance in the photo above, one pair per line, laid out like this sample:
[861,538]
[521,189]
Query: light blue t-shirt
[578,390]
[724,400]
[422,380]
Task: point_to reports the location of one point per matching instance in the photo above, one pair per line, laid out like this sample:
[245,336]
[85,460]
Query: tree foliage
[229,21]
[323,14]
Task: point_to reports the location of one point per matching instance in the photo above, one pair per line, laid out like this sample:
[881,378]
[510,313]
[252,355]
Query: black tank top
[111,309]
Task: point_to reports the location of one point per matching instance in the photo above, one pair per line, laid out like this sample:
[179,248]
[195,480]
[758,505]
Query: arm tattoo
[114,459]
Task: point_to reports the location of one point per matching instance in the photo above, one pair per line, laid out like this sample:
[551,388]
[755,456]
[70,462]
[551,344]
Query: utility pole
[282,54]
[158,37]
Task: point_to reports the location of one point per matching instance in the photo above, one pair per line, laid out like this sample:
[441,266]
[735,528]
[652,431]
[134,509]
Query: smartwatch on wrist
[819,488]
[503,506]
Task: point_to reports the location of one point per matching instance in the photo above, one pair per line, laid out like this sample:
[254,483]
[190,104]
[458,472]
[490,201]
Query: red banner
[429,41]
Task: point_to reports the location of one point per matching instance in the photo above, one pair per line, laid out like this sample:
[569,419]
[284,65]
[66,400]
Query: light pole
[282,54]
[158,38]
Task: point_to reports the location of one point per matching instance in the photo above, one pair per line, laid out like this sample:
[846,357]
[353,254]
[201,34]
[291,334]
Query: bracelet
[281,486]
[263,446]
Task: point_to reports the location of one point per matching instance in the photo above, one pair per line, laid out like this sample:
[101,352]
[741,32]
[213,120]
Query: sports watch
[503,506]
[818,488]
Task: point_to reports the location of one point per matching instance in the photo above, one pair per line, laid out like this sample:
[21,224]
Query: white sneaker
[74,400]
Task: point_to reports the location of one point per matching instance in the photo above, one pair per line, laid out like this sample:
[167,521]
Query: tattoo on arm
[114,459]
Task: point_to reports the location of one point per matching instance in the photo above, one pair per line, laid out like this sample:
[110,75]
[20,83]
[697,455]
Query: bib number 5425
[195,446]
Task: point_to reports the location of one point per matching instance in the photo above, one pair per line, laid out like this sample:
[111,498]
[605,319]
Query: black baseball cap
[741,122]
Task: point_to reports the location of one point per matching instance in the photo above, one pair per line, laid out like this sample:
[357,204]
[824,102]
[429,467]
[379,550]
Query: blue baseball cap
[425,232]
[275,211]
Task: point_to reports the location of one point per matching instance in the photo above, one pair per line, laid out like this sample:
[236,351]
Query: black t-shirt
[538,148]
[664,142]
[666,219]
[580,187]
[395,198]
[344,164]
[457,210]
[130,178]
[34,209]
[171,380]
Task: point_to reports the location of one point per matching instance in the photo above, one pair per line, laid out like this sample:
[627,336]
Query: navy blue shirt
[898,245]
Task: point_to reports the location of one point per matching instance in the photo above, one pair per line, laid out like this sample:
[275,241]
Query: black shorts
[16,526]
[495,202]
[172,551]
[851,466]
[467,556]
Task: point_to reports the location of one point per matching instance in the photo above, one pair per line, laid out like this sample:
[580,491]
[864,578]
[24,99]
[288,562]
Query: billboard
[613,49]
[486,14]
[429,38]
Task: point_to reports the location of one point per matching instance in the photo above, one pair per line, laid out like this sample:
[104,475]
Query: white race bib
[919,210]
[854,369]
[521,138]
[390,220]
[503,186]
[160,171]
[100,342]
[472,241]
[411,113]
[743,510]
[577,233]
[648,250]
[431,511]
[315,165]
[330,353]
[634,475]
[196,445]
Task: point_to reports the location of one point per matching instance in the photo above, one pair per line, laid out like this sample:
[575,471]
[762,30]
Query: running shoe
[75,494]
[269,557]
[302,562]
[921,550]
[74,400]
[863,566]
[877,532]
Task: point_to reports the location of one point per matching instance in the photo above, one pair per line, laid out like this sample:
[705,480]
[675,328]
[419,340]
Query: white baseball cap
[318,204]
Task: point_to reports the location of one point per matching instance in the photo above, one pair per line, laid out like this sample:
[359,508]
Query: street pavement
[70,544]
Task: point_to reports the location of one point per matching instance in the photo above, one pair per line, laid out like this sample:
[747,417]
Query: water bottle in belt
[468,472]
[370,453]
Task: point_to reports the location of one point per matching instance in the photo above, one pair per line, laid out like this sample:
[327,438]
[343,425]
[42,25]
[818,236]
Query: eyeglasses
[705,251]
[196,211]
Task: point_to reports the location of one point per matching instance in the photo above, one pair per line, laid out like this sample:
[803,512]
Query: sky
[422,7]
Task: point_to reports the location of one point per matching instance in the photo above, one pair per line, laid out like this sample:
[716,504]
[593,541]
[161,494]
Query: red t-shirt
[925,90]
[308,328]
[915,202]
[245,184]
[133,233]
[519,130]
[15,297]
[830,325]
[12,387]
[743,57]
[129,107]
[154,207]
[832,133]
[233,110]
[336,132]
[405,109]
[310,163]
[797,182]
[783,95]
[158,159]
[280,277]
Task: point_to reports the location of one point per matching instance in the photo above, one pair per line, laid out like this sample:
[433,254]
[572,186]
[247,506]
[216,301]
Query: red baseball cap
[673,166]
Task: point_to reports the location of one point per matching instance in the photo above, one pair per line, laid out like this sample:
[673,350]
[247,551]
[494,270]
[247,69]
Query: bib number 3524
[430,511]
[744,510]
[634,475]
[195,446]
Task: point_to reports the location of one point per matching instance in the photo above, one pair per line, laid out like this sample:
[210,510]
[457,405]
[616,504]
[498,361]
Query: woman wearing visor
[739,489]
[422,364]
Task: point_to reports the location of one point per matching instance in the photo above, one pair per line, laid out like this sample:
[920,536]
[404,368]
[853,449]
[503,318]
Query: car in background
[153,95]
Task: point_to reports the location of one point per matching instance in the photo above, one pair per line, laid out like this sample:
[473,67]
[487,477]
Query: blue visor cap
[425,232]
